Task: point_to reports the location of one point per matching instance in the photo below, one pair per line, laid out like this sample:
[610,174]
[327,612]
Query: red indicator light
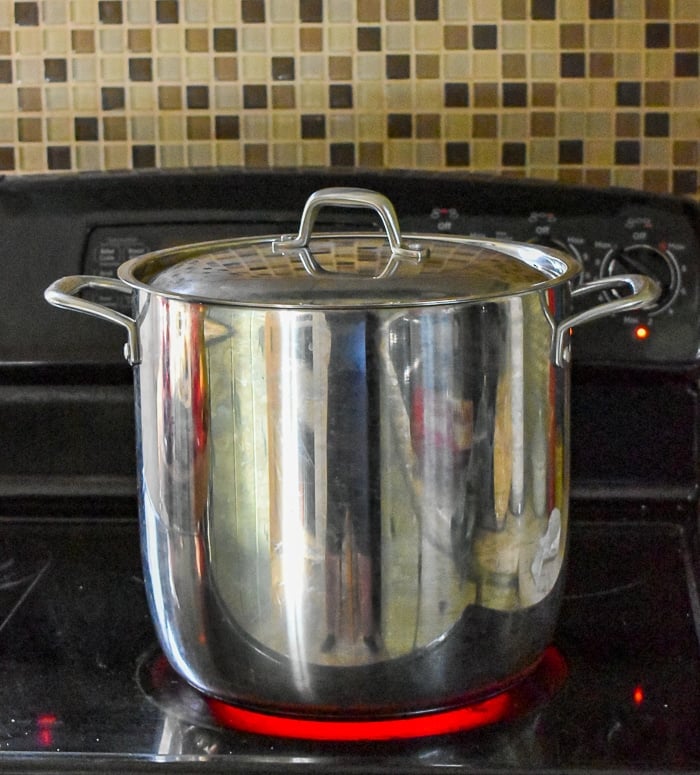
[641,333]
[638,695]
[44,733]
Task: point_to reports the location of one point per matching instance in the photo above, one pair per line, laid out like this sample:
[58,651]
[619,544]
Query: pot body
[353,512]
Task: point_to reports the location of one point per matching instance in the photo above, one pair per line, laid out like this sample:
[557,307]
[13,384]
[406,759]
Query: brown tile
[399,126]
[7,159]
[29,98]
[139,41]
[197,97]
[543,9]
[572,36]
[484,125]
[456,95]
[369,39]
[514,95]
[196,39]
[311,38]
[655,180]
[27,14]
[543,123]
[5,71]
[55,70]
[253,11]
[426,10]
[513,66]
[5,43]
[686,153]
[685,182]
[143,156]
[601,65]
[340,68]
[113,97]
[368,10]
[570,152]
[283,96]
[485,37]
[627,125]
[254,96]
[227,127]
[170,98]
[225,68]
[657,35]
[686,64]
[83,41]
[255,155]
[657,94]
[686,35]
[485,95]
[597,177]
[371,154]
[340,96]
[29,130]
[86,129]
[110,11]
[58,157]
[544,94]
[140,69]
[398,66]
[657,9]
[114,128]
[167,12]
[455,37]
[570,176]
[427,66]
[398,10]
[313,127]
[513,10]
[225,39]
[283,68]
[198,128]
[311,11]
[428,126]
[342,154]
[457,154]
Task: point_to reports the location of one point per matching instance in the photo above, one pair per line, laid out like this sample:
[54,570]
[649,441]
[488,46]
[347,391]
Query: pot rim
[555,266]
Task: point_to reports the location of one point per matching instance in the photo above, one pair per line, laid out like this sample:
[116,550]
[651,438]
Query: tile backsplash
[594,91]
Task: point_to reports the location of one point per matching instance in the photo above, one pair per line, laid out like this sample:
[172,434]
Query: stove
[84,683]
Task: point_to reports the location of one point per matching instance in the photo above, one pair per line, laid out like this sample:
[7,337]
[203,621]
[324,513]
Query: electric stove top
[78,654]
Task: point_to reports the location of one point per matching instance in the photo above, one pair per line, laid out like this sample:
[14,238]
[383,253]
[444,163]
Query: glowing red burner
[536,685]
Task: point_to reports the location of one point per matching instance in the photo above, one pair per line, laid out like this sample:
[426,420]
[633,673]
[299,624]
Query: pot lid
[349,269]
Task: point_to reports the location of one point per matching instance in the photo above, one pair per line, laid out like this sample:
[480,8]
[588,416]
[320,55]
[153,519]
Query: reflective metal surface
[326,491]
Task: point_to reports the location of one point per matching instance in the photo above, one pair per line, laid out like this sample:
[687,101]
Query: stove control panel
[634,240]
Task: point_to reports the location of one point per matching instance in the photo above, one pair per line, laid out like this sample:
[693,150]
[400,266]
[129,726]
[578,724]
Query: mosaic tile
[597,91]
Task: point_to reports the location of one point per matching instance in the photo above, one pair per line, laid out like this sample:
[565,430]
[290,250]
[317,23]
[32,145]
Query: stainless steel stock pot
[353,454]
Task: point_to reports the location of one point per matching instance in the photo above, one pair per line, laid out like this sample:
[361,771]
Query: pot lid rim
[570,268]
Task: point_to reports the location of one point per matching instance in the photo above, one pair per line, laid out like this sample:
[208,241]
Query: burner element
[526,691]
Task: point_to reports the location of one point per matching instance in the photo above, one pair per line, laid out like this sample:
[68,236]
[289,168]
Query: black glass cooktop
[77,659]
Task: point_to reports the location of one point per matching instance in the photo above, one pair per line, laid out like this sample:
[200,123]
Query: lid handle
[351,197]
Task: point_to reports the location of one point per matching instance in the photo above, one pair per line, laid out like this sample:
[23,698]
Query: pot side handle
[64,292]
[644,293]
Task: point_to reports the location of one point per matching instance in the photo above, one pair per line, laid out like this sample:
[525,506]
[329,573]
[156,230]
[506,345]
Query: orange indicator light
[638,695]
[641,333]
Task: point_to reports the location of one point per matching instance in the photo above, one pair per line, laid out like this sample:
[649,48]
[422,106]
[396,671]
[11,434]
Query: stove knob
[644,259]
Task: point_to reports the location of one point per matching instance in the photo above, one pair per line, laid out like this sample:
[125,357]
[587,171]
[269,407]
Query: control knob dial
[647,260]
